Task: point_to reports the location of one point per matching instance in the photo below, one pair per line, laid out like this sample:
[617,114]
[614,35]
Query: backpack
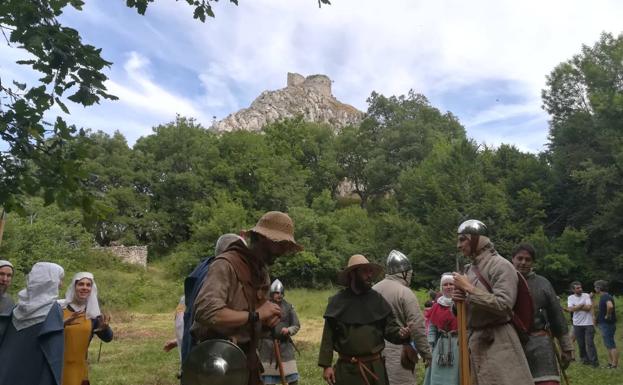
[523,310]
[192,285]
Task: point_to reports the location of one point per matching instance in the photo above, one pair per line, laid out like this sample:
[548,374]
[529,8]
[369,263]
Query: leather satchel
[408,357]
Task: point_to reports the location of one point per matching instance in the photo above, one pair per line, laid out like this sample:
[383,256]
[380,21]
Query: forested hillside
[412,173]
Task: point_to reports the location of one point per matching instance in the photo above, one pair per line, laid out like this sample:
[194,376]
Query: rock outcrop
[309,97]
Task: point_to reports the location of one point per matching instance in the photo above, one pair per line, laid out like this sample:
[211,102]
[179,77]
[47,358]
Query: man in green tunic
[357,321]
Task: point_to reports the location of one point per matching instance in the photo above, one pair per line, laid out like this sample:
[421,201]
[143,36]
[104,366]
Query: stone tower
[309,97]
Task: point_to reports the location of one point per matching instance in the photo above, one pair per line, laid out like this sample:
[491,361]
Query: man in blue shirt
[606,320]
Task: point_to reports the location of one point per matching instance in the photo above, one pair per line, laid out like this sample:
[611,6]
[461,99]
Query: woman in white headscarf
[442,336]
[82,316]
[31,337]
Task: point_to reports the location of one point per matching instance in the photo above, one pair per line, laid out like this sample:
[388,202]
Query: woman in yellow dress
[82,318]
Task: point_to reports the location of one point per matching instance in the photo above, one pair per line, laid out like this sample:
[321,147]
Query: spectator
[607,322]
[581,306]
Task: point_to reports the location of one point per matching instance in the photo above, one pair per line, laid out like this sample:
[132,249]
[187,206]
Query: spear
[279,362]
[464,374]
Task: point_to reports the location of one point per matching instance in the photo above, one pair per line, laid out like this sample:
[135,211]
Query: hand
[566,358]
[329,375]
[427,361]
[170,344]
[73,317]
[462,282]
[285,331]
[269,313]
[404,332]
[102,323]
[458,295]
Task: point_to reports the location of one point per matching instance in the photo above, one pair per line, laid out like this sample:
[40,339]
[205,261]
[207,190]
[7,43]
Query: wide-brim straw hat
[278,227]
[354,262]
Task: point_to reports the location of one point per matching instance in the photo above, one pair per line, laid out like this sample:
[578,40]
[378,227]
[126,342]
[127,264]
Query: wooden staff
[461,315]
[279,362]
[464,374]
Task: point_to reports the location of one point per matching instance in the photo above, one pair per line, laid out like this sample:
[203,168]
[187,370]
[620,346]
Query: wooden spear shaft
[461,315]
[279,362]
[464,372]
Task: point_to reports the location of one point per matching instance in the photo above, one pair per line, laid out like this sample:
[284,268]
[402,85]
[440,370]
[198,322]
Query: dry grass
[135,357]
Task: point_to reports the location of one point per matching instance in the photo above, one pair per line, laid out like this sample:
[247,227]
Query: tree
[584,97]
[397,133]
[38,159]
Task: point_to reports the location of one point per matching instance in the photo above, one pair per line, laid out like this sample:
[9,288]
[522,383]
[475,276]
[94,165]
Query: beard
[361,285]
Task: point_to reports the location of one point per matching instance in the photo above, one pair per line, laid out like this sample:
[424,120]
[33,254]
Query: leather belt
[360,361]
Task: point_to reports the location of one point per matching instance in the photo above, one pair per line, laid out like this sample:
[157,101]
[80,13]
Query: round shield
[215,362]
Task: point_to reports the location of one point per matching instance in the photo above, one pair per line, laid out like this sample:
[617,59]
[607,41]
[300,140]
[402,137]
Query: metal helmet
[215,362]
[277,287]
[397,262]
[473,227]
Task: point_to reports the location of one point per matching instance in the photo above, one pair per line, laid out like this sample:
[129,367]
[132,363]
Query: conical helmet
[277,287]
[397,262]
[473,227]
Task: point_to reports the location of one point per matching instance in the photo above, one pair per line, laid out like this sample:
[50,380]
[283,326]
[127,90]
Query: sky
[484,61]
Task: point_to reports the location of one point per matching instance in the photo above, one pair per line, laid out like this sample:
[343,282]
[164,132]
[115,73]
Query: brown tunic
[224,290]
[496,354]
[407,311]
[232,281]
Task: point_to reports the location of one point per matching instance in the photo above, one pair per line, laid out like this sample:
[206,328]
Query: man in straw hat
[357,321]
[395,289]
[496,354]
[6,275]
[233,304]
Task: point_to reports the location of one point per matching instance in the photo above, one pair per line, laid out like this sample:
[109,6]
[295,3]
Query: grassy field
[135,356]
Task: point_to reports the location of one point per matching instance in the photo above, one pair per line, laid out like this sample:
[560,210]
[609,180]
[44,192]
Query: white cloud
[500,112]
[142,92]
[433,47]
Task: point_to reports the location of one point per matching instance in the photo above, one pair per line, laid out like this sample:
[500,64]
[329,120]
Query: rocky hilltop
[309,97]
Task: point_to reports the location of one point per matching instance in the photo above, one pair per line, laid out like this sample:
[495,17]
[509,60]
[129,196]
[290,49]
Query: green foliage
[414,177]
[43,158]
[585,99]
[47,233]
[38,158]
[398,133]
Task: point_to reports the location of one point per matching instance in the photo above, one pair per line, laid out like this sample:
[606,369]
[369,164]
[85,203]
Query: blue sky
[484,61]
